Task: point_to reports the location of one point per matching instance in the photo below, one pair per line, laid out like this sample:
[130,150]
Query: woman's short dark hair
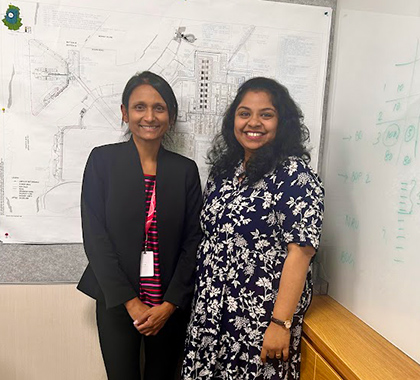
[159,84]
[290,139]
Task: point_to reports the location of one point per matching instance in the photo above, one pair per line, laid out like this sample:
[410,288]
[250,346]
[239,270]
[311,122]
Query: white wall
[401,7]
[48,332]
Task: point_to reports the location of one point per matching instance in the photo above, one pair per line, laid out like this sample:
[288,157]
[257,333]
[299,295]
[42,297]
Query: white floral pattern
[240,261]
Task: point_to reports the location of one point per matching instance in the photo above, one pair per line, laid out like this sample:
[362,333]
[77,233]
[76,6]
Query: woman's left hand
[154,319]
[276,343]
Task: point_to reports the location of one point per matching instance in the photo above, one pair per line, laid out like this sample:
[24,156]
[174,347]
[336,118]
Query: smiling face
[147,115]
[256,121]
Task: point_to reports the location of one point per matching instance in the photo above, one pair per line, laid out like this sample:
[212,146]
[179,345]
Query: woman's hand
[136,308]
[276,343]
[154,319]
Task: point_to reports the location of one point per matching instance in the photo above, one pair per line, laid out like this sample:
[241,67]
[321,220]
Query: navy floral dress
[240,261]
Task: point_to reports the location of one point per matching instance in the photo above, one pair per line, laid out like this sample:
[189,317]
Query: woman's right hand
[136,309]
[276,343]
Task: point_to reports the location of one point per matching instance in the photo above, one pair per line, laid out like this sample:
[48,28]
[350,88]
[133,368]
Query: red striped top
[150,287]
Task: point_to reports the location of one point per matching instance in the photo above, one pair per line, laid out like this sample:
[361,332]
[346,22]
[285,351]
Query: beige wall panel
[48,332]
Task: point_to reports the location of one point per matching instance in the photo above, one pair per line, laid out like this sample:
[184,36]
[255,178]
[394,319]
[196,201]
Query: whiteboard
[372,175]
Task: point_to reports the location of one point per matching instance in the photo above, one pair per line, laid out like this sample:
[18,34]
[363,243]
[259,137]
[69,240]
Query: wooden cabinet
[307,368]
[338,345]
[314,367]
[323,371]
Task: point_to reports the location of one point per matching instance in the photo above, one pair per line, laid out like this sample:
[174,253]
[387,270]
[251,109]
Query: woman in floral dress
[262,221]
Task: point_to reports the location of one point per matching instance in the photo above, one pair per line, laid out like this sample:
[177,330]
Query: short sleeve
[300,205]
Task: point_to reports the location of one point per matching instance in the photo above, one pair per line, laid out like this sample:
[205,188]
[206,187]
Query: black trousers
[121,342]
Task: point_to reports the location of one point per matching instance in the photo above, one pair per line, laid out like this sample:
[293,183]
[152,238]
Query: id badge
[147,264]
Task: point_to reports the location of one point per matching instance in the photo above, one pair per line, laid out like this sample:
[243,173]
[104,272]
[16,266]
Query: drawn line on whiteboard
[345,176]
[407,63]
[406,207]
[410,91]
[398,261]
[401,98]
[400,237]
[390,121]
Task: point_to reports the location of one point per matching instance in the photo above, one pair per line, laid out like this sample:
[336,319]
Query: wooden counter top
[351,347]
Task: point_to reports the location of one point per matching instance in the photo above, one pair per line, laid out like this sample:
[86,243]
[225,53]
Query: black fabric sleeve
[98,247]
[181,287]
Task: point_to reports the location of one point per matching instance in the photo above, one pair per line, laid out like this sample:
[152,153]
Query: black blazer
[113,220]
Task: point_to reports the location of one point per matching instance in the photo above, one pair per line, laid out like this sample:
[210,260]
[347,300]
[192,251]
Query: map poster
[64,65]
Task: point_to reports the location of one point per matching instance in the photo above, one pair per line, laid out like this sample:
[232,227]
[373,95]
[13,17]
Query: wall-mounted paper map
[64,66]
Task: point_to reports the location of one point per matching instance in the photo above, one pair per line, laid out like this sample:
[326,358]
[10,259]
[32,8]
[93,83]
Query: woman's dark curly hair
[290,139]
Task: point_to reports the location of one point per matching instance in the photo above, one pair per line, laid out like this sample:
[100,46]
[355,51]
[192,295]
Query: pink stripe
[150,284]
[152,299]
[151,288]
[153,279]
[154,295]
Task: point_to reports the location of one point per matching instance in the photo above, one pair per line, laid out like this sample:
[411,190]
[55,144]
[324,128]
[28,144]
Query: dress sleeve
[301,204]
[181,287]
[98,247]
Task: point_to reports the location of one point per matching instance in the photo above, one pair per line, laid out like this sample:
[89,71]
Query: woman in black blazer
[140,205]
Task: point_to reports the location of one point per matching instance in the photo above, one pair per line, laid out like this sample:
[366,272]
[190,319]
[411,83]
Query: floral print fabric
[240,261]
